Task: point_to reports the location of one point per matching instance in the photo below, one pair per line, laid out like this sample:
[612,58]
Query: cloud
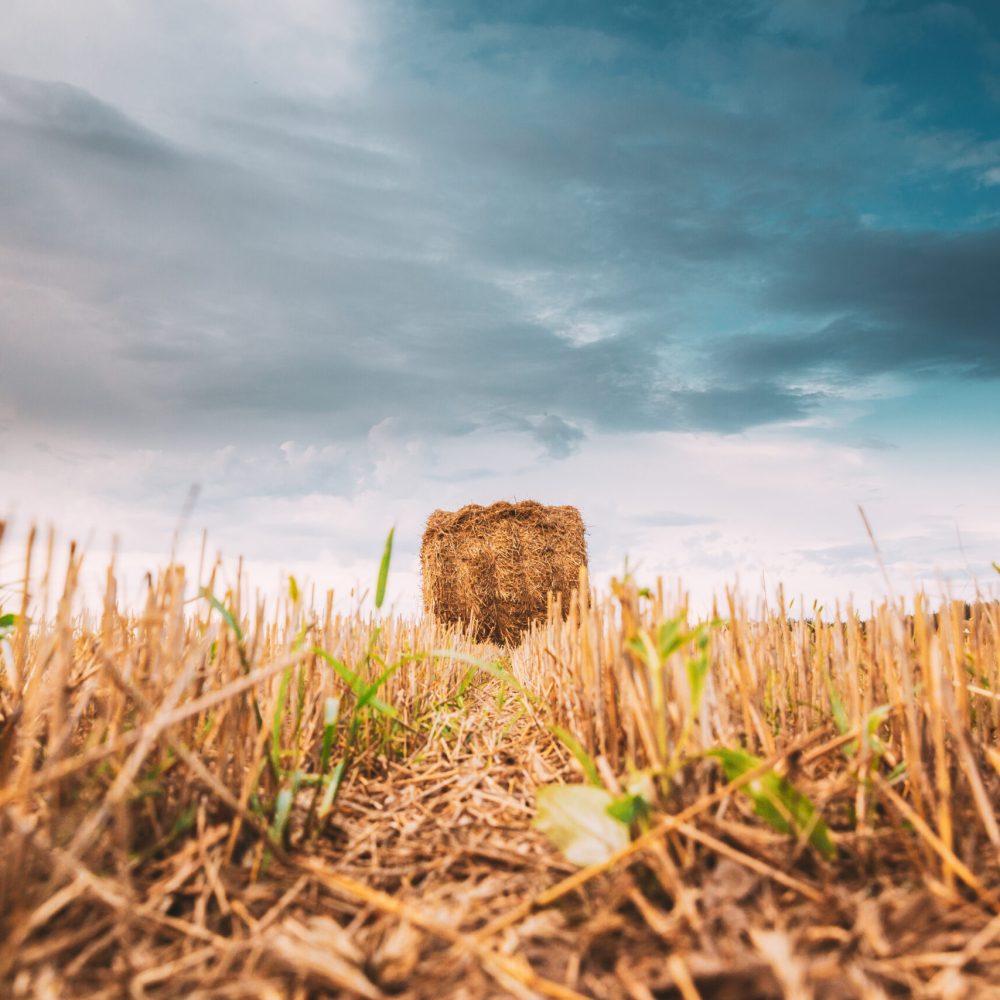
[345,263]
[887,301]
[874,443]
[539,211]
[670,519]
[559,437]
[64,113]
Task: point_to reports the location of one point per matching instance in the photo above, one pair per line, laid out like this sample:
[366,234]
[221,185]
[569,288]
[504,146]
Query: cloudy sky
[715,273]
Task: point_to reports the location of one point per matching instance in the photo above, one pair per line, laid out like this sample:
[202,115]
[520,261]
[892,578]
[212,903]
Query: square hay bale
[497,565]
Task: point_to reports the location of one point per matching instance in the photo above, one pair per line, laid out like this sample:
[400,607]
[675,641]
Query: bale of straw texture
[495,566]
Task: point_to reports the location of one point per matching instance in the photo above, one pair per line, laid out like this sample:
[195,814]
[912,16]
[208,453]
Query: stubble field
[215,798]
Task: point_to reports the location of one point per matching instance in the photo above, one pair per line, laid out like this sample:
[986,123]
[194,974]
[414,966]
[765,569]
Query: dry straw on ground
[160,835]
[495,567]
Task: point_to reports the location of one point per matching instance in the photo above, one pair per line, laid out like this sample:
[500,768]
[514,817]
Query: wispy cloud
[336,249]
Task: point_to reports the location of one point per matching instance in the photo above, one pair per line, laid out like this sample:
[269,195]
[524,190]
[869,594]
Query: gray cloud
[559,437]
[514,215]
[180,283]
[912,303]
[903,301]
[872,442]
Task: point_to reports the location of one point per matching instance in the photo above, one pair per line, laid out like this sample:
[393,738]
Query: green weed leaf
[629,809]
[575,747]
[331,712]
[333,786]
[776,801]
[383,570]
[697,671]
[227,615]
[576,819]
[836,704]
[356,684]
[490,667]
[277,718]
[282,812]
[369,692]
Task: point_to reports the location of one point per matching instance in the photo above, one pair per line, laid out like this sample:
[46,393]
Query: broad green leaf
[674,635]
[383,570]
[643,646]
[777,801]
[671,636]
[576,819]
[629,809]
[7,625]
[575,747]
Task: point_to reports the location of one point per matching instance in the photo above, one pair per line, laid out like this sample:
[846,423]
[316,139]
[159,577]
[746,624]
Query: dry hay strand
[494,567]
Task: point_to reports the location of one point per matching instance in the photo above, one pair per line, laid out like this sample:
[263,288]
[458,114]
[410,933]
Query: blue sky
[715,273]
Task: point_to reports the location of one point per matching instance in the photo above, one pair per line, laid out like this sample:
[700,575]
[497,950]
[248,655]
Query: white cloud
[341,268]
[158,62]
[704,509]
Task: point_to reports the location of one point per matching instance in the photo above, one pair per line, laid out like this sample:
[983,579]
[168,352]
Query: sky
[717,274]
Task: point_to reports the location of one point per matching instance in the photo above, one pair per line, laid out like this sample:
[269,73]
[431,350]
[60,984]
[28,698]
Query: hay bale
[497,565]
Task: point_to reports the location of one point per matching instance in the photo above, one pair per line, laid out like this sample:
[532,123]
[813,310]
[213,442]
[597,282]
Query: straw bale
[496,566]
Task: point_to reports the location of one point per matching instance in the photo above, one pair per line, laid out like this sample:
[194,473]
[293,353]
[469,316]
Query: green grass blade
[282,812]
[383,570]
[490,667]
[697,672]
[331,713]
[575,747]
[230,620]
[369,692]
[332,788]
[276,719]
[355,683]
[227,615]
[837,708]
